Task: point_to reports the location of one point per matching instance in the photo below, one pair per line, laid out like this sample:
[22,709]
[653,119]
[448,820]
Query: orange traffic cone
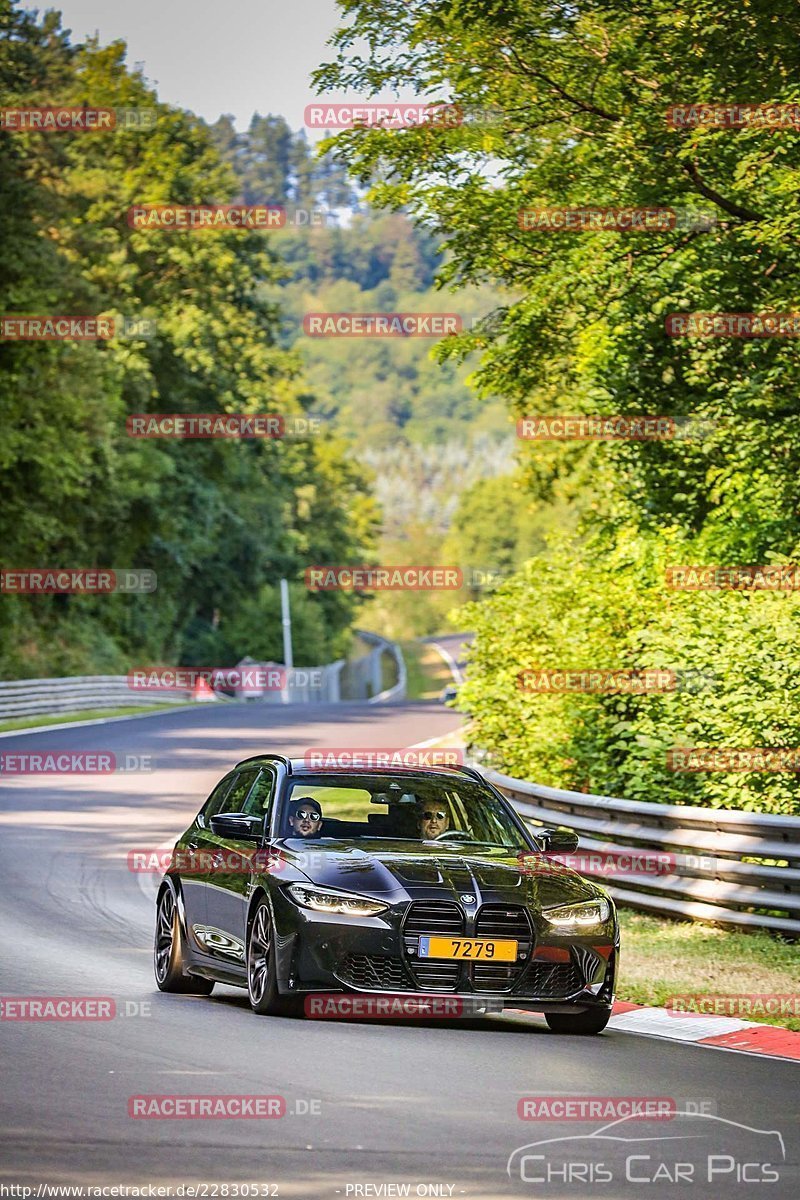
[202,693]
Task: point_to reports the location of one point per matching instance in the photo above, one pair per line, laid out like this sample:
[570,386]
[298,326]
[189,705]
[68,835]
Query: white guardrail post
[726,866]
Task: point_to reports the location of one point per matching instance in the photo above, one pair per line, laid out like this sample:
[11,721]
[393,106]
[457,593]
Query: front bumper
[374,955]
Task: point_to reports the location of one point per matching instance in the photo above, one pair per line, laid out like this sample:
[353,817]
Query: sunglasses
[431,815]
[303,815]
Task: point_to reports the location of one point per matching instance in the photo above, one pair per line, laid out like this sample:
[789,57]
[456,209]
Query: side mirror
[556,841]
[238,825]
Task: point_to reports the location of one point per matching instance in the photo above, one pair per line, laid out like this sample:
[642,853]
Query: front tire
[262,977]
[168,956]
[593,1020]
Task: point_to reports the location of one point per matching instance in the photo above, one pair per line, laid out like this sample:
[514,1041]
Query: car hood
[425,870]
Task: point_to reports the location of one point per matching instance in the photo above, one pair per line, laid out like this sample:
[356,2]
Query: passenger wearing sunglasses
[305,817]
[433,821]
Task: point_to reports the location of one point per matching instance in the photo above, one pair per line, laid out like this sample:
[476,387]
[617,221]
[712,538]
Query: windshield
[388,808]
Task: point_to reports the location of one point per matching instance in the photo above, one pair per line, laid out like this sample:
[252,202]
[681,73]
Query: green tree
[566,106]
[217,520]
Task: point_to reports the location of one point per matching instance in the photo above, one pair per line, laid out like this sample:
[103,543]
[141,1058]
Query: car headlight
[573,916]
[328,901]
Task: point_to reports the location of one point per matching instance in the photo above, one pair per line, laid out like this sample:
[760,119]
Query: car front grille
[373,972]
[438,918]
[502,921]
[552,980]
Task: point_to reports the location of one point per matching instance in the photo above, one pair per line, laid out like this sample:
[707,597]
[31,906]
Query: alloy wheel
[165,934]
[258,955]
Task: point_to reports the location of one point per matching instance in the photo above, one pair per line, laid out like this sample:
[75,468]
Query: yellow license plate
[479,949]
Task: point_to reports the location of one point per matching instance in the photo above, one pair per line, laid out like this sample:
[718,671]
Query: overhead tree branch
[584,105]
[728,206]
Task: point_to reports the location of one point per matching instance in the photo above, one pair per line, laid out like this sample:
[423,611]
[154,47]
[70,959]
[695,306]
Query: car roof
[300,767]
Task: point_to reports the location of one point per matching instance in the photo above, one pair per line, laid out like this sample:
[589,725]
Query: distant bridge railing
[726,866]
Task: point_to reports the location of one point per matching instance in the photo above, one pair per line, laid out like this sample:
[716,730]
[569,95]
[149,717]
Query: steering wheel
[462,835]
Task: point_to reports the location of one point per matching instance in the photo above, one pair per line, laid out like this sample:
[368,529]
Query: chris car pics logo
[694,1148]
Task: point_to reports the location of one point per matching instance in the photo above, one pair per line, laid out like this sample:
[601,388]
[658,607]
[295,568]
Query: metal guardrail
[725,866]
[32,697]
[27,697]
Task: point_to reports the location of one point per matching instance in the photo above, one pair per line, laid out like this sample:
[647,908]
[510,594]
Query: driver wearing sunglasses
[305,817]
[434,820]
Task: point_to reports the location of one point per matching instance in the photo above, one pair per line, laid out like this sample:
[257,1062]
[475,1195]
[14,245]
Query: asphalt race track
[369,1104]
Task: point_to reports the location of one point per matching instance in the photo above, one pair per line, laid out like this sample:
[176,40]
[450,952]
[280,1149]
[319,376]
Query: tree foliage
[220,522]
[566,106]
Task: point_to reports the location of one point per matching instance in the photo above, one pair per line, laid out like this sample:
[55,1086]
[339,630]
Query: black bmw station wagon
[294,880]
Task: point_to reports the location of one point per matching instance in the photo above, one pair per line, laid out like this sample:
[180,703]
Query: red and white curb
[726,1033]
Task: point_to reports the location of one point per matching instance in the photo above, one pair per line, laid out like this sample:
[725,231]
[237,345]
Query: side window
[211,806]
[234,801]
[260,798]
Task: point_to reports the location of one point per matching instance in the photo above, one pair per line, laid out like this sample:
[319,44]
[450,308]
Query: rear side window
[260,799]
[234,800]
[212,804]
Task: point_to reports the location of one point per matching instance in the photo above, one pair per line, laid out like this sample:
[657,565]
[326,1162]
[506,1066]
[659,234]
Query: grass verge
[427,671]
[661,958]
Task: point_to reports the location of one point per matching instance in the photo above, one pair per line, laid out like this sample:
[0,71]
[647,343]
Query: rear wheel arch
[169,883]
